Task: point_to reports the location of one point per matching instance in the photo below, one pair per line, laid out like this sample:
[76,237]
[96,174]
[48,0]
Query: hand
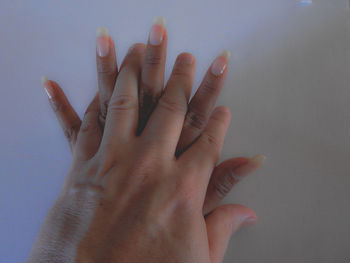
[127,188]
[150,60]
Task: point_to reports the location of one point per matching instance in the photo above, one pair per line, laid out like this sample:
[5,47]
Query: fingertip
[222,113]
[249,221]
[246,217]
[258,159]
[138,48]
[44,79]
[102,32]
[46,83]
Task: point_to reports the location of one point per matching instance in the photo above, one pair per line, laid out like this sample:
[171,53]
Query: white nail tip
[102,31]
[259,159]
[159,20]
[44,79]
[226,54]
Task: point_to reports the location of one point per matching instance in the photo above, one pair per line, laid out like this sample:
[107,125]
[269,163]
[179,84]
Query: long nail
[102,41]
[248,167]
[220,63]
[48,90]
[157,31]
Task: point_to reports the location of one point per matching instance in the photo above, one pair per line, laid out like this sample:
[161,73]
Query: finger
[165,124]
[136,50]
[203,102]
[203,155]
[222,223]
[65,114]
[90,133]
[225,176]
[107,70]
[152,76]
[122,116]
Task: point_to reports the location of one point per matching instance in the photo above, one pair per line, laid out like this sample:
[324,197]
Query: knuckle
[209,87]
[210,140]
[103,112]
[71,132]
[172,105]
[213,144]
[58,107]
[106,68]
[88,126]
[90,109]
[195,119]
[122,103]
[152,58]
[223,184]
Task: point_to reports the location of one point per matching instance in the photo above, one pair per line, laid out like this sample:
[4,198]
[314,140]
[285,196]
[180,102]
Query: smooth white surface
[288,90]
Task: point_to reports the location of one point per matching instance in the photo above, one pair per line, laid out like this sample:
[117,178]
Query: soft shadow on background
[288,90]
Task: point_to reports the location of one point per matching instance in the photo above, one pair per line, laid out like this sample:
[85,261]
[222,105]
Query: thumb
[222,223]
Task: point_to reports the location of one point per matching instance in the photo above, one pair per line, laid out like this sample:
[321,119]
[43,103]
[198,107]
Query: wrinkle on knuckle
[106,68]
[195,119]
[122,103]
[172,105]
[71,132]
[88,126]
[223,184]
[58,107]
[212,145]
[103,111]
[210,140]
[209,87]
[153,59]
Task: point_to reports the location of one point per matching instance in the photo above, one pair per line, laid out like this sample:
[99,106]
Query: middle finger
[152,75]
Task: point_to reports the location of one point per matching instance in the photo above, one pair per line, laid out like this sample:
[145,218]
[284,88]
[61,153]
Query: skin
[144,184]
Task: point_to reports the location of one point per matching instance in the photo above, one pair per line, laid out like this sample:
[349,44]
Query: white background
[288,89]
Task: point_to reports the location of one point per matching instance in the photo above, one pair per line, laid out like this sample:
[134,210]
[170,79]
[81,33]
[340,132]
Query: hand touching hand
[144,165]
[151,60]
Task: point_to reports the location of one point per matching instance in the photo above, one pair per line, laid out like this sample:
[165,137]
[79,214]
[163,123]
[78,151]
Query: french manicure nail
[258,159]
[102,41]
[249,166]
[220,63]
[47,88]
[157,31]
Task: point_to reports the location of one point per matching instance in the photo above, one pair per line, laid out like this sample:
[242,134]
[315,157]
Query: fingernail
[249,166]
[258,159]
[249,221]
[184,59]
[102,41]
[47,88]
[220,63]
[157,31]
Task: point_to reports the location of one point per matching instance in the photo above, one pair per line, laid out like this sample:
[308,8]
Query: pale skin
[146,160]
